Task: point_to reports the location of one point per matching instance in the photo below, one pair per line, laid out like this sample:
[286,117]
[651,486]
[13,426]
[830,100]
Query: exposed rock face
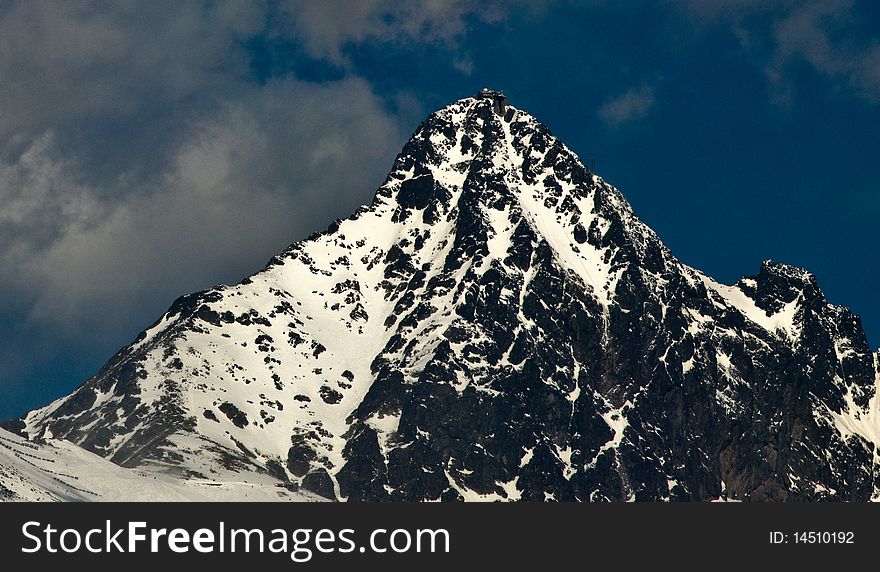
[498,324]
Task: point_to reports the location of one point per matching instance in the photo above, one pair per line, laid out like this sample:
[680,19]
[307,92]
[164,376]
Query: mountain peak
[497,324]
[497,97]
[787,271]
[778,285]
[483,177]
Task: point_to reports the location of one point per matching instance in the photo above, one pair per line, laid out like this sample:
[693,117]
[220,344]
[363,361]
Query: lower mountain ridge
[497,325]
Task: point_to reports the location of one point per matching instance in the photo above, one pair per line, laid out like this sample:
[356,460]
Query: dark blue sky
[189,152]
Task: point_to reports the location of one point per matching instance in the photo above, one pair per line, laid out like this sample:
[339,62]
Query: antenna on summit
[497,97]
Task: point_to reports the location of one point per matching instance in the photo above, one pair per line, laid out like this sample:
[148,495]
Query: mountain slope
[58,470]
[497,324]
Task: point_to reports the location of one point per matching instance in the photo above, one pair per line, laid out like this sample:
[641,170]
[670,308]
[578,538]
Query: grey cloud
[39,199]
[818,33]
[114,60]
[328,26]
[138,162]
[630,106]
[244,183]
[783,33]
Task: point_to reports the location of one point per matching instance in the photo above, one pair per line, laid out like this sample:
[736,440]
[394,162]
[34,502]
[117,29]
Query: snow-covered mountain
[496,325]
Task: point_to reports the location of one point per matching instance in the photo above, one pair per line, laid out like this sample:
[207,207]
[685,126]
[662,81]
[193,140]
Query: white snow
[61,471]
[864,422]
[782,321]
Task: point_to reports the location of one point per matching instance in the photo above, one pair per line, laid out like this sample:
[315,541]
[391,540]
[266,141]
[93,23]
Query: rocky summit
[497,325]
